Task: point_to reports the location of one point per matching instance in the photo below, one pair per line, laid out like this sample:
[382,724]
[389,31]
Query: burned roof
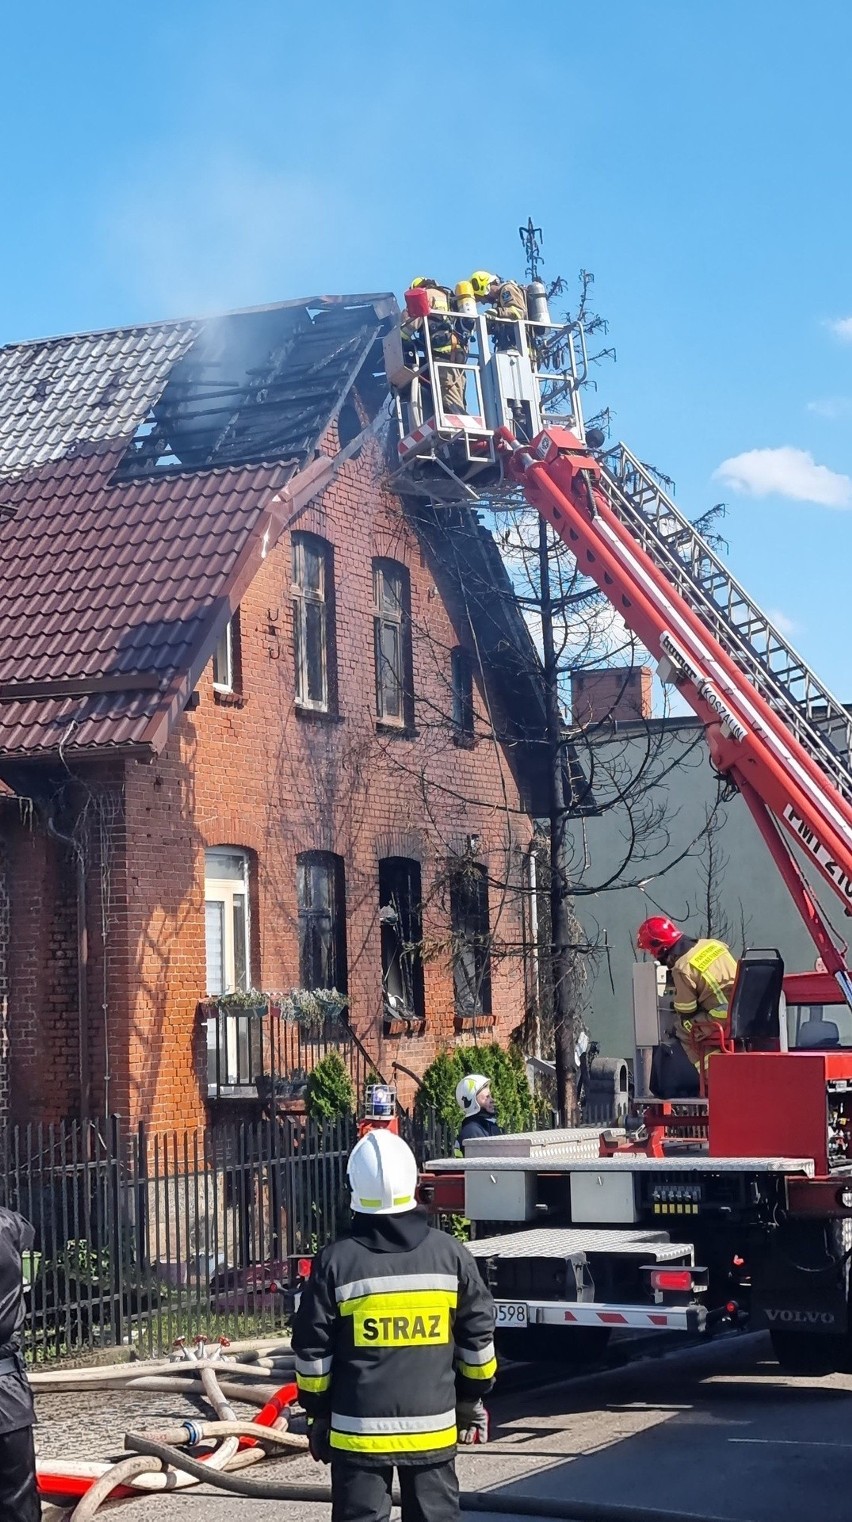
[142,465]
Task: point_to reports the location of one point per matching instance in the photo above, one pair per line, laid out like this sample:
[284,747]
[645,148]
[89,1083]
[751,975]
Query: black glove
[472,1422]
[318,1440]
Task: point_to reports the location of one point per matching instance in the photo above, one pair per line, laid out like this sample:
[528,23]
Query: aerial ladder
[774,731]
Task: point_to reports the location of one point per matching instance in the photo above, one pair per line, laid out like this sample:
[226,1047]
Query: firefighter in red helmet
[703,973]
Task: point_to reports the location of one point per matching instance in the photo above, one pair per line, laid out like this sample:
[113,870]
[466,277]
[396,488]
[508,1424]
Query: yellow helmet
[418,280]
[481,282]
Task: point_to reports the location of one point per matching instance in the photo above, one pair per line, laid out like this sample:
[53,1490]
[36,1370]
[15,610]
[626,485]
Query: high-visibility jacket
[394,1327]
[703,980]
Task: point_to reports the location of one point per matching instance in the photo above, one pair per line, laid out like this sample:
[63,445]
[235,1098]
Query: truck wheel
[572,1347]
[808,1353]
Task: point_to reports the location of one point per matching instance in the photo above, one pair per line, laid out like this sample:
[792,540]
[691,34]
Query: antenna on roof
[532,239]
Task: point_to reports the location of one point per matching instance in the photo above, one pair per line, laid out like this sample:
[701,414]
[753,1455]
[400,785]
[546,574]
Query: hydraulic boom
[781,738]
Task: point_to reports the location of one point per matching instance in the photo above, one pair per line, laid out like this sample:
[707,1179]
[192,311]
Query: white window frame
[223,891]
[224,657]
[301,597]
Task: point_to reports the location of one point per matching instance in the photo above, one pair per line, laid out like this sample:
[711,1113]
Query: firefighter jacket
[394,1328]
[477,1128]
[703,978]
[16,1402]
[510,301]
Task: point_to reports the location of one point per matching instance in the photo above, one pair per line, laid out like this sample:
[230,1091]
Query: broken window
[401,919]
[471,940]
[322,920]
[462,684]
[311,592]
[392,625]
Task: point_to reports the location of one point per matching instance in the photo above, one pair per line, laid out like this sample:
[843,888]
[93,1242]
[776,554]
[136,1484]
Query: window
[223,660]
[226,920]
[471,941]
[401,918]
[226,926]
[391,603]
[322,920]
[462,680]
[311,592]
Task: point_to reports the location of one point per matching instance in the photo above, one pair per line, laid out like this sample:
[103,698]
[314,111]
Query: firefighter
[703,973]
[476,1102]
[19,1500]
[447,340]
[394,1346]
[507,300]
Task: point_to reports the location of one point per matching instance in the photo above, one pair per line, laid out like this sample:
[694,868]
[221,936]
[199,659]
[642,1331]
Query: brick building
[262,724]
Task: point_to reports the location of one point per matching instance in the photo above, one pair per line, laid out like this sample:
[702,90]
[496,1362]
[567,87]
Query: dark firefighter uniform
[477,1127]
[703,978]
[395,1328]
[18,1496]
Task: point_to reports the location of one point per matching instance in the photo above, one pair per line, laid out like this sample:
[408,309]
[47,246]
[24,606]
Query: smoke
[203,235]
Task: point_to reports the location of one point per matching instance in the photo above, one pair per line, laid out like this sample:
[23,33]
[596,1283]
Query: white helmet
[382,1175]
[469,1090]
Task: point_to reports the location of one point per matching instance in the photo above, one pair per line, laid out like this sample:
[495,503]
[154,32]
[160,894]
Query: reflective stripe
[477,1370]
[313,1384]
[313,1366]
[404,1442]
[396,1284]
[398,1199]
[686,1009]
[476,1355]
[342,1422]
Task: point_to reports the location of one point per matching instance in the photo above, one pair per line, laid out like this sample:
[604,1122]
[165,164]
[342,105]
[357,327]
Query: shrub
[512,1096]
[329,1094]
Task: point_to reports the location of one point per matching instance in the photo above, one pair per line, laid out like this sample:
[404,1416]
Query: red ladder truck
[736,1209]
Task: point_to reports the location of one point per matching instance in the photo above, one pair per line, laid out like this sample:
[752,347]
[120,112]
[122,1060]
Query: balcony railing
[251,1053]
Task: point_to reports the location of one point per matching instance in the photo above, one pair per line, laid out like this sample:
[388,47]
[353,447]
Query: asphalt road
[714,1431]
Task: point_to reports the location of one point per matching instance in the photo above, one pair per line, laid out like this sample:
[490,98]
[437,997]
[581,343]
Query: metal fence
[141,1239]
[255,1052]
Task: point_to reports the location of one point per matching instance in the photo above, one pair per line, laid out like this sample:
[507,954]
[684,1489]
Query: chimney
[617,694]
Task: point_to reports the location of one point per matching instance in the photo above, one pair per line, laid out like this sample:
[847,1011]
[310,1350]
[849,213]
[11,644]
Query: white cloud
[785,472]
[841,327]
[831,407]
[783,624]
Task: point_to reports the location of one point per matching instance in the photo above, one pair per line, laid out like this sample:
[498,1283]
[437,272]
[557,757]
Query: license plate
[511,1313]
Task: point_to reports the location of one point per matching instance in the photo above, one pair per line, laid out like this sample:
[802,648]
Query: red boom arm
[749,742]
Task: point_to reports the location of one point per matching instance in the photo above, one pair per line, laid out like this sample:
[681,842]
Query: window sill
[318,715]
[396,731]
[466,1024]
[393,1028]
[228,699]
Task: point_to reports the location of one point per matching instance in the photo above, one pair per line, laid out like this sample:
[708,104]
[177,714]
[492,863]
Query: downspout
[82,965]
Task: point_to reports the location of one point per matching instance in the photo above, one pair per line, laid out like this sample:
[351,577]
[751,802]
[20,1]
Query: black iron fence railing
[249,1052]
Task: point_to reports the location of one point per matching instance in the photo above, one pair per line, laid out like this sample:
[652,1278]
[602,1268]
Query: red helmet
[657,934]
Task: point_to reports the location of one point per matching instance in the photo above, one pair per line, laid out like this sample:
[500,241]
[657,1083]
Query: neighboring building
[253,733]
[655,849]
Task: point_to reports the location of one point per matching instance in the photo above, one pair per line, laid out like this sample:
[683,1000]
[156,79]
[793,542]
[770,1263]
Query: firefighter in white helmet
[476,1102]
[394,1346]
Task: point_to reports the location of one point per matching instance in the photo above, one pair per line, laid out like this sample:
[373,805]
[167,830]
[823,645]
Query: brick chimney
[618,693]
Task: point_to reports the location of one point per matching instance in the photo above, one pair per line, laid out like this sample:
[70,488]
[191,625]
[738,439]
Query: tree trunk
[562,951]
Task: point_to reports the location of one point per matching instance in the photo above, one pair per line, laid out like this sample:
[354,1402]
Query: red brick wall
[615,693]
[259,776]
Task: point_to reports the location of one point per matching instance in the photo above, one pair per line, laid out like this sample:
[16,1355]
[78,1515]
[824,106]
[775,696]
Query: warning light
[738,1261]
[672,1279]
[732,1307]
[303,1268]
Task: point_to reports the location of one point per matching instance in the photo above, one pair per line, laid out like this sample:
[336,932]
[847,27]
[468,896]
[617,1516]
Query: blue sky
[187,157]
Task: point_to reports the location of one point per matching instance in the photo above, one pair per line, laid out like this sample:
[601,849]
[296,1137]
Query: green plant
[311,1007]
[329,1094]
[516,1110]
[243,998]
